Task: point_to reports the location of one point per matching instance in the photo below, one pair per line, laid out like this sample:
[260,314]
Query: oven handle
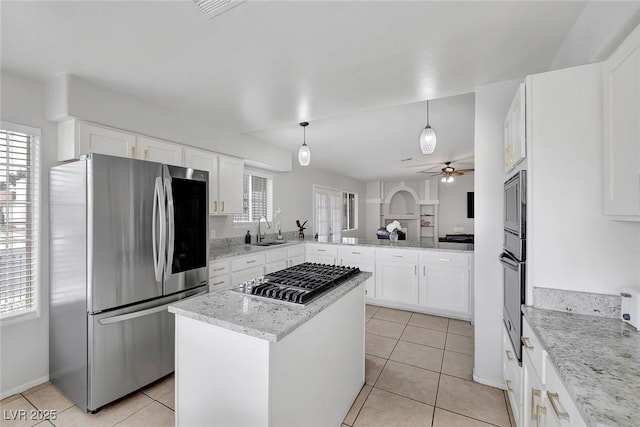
[509,262]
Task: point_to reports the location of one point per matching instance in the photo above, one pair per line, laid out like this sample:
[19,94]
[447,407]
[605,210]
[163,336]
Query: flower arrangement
[393,228]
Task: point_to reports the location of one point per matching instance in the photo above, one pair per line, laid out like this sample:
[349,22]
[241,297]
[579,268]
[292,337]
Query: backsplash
[232,241]
[577,302]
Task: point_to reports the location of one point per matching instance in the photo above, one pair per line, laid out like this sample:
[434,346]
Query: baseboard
[24,387]
[491,383]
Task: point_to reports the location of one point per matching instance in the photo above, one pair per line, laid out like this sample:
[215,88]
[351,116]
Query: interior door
[120,195]
[187,254]
[328,214]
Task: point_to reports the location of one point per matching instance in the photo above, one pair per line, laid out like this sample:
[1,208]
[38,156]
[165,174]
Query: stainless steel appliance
[128,237]
[300,284]
[513,257]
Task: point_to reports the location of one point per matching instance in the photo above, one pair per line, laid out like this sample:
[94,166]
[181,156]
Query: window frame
[269,178]
[317,187]
[36,183]
[355,211]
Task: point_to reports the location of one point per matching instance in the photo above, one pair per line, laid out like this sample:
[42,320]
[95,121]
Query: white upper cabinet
[621,90]
[97,139]
[159,151]
[515,147]
[77,138]
[207,161]
[230,184]
[225,179]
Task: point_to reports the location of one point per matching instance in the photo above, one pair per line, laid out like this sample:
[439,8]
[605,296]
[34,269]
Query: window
[19,209]
[257,199]
[349,211]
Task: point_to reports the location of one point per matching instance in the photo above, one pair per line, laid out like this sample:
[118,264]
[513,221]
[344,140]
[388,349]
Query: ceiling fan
[447,172]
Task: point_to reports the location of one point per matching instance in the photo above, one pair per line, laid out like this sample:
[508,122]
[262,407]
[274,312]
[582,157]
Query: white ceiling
[264,66]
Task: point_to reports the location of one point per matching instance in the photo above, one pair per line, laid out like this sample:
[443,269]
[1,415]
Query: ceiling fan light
[304,155]
[428,140]
[443,179]
[450,179]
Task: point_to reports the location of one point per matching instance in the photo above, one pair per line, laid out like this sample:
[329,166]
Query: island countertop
[598,360]
[269,320]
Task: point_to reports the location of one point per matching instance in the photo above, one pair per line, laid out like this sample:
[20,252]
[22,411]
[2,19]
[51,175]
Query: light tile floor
[418,373]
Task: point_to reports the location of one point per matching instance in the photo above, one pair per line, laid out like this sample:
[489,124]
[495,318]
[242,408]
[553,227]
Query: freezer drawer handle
[129,316]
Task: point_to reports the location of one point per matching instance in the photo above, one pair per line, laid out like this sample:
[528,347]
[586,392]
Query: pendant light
[428,137]
[304,154]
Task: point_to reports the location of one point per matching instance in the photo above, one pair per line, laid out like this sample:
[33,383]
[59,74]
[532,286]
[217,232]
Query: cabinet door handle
[424,270]
[133,152]
[527,343]
[218,269]
[444,259]
[508,383]
[554,399]
[146,154]
[355,253]
[264,270]
[509,355]
[397,256]
[221,206]
[540,410]
[534,393]
[215,206]
[251,261]
[335,261]
[321,250]
[341,261]
[218,283]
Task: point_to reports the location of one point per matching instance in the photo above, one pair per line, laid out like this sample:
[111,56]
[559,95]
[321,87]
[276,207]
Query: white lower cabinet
[277,259]
[365,259]
[247,268]
[546,401]
[512,373]
[444,282]
[397,276]
[295,255]
[321,253]
[218,275]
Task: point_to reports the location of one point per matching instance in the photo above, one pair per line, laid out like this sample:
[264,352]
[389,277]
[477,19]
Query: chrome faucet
[260,235]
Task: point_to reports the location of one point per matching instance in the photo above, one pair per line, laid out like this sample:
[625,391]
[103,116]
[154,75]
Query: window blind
[257,199]
[19,196]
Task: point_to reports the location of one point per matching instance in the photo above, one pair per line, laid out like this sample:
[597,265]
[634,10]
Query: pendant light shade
[428,137]
[304,153]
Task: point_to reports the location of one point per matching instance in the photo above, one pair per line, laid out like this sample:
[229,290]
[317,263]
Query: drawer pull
[554,399]
[540,410]
[218,283]
[444,259]
[397,256]
[509,388]
[509,355]
[321,250]
[251,261]
[219,269]
[527,343]
[355,253]
[534,393]
[146,154]
[215,206]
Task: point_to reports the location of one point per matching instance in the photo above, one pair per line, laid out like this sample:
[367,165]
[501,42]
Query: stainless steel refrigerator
[128,237]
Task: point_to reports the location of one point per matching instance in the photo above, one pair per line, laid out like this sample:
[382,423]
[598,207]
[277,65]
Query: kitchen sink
[268,243]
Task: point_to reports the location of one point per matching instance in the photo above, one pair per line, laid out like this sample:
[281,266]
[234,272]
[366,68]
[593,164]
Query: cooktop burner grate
[301,283]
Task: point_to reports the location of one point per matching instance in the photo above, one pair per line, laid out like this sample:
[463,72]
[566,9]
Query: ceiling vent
[213,8]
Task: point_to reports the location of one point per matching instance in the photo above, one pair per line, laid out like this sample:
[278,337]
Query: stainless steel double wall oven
[513,257]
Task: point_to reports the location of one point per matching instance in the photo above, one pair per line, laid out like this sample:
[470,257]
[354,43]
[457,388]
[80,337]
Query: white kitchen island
[243,361]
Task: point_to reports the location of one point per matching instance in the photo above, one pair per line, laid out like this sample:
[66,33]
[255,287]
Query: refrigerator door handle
[134,315]
[170,225]
[158,247]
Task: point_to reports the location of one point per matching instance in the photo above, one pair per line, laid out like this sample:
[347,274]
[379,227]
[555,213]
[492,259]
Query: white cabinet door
[534,409]
[370,285]
[277,265]
[512,373]
[397,282]
[207,161]
[444,282]
[159,151]
[323,254]
[621,90]
[239,277]
[102,140]
[295,260]
[230,185]
[515,131]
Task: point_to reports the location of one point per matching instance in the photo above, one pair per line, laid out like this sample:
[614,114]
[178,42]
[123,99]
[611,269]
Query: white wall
[24,351]
[71,96]
[293,193]
[452,210]
[571,244]
[492,103]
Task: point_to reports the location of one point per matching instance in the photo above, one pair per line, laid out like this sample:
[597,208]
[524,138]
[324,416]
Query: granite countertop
[598,360]
[269,320]
[246,249]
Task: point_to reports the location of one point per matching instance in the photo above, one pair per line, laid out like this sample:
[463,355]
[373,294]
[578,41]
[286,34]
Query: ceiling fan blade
[465,170]
[430,173]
